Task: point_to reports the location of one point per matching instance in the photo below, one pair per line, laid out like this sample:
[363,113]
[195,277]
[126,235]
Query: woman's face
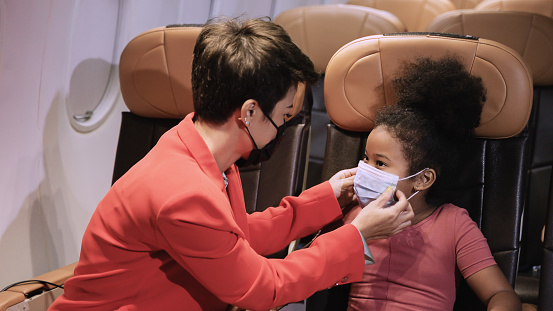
[384,152]
[263,131]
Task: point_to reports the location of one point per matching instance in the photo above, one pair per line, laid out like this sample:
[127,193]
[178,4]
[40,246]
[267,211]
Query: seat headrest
[529,34]
[415,14]
[358,76]
[155,72]
[320,30]
[544,7]
[465,4]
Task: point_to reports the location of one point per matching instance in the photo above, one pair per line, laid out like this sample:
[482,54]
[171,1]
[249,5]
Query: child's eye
[380,163]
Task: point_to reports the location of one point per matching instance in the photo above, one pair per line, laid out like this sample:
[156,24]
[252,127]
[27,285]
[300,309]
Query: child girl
[412,145]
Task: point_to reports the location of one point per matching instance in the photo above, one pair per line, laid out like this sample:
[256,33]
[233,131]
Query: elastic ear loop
[413,195]
[253,141]
[412,177]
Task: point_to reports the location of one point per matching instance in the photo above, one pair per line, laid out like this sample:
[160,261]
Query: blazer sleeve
[296,217]
[223,261]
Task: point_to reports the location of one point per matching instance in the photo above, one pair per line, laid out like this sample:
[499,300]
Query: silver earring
[247,122]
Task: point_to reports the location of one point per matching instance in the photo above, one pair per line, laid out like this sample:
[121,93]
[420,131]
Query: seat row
[418,14]
[492,182]
[526,27]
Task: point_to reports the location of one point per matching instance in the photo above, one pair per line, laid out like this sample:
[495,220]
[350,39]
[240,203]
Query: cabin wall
[58,59]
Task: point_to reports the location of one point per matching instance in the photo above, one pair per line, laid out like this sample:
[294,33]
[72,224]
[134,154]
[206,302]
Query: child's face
[384,152]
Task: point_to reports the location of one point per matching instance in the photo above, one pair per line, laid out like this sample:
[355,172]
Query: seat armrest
[19,293]
[8,299]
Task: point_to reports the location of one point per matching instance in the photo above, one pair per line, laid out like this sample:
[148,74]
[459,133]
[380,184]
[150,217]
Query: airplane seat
[319,31]
[155,78]
[530,35]
[36,294]
[415,14]
[544,7]
[491,180]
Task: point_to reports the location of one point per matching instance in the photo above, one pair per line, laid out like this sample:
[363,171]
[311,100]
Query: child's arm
[493,289]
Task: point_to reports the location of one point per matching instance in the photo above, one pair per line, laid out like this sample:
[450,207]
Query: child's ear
[425,179]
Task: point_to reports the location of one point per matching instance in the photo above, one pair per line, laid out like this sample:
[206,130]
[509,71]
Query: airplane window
[93,87]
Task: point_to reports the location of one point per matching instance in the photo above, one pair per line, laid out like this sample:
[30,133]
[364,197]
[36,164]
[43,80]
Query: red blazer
[167,236]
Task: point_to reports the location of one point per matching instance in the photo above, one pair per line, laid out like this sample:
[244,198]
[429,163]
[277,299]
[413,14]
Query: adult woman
[173,231]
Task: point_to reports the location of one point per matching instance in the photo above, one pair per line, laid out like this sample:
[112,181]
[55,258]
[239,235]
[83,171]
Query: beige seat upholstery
[358,74]
[544,7]
[491,181]
[320,31]
[156,85]
[415,14]
[465,4]
[531,35]
[35,296]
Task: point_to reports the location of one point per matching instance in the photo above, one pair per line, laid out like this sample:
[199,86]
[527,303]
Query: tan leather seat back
[358,74]
[415,14]
[465,4]
[321,30]
[529,34]
[544,7]
[155,72]
[490,181]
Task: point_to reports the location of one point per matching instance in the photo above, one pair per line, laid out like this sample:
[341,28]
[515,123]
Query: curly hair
[240,59]
[439,104]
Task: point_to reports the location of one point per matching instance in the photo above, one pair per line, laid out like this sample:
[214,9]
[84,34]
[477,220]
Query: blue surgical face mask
[369,183]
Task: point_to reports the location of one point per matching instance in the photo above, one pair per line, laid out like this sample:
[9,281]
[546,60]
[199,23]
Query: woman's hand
[342,184]
[378,222]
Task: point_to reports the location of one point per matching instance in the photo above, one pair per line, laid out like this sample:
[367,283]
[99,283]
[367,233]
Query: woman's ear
[248,111]
[425,179]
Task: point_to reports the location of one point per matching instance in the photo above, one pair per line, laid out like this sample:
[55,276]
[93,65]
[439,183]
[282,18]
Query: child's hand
[342,184]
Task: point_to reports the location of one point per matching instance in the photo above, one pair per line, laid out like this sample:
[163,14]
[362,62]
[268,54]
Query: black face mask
[259,155]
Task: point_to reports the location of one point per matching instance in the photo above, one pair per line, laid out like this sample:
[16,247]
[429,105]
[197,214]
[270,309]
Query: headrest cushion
[544,7]
[415,14]
[358,75]
[529,34]
[320,30]
[155,72]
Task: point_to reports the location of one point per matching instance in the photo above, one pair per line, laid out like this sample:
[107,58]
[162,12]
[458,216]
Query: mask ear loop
[412,177]
[413,195]
[248,130]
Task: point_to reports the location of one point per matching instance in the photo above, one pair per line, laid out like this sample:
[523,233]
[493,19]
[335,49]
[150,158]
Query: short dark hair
[240,59]
[439,104]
